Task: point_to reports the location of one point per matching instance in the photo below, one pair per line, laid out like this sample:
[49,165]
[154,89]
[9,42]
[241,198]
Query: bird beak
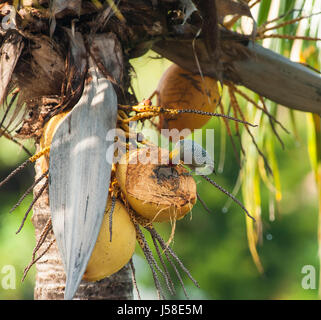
[173,156]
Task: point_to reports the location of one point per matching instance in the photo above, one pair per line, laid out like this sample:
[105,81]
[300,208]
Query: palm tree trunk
[50,277]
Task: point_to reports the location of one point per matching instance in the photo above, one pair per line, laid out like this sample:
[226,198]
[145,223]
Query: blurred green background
[212,246]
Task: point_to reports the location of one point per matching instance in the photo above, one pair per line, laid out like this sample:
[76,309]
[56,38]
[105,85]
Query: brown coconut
[156,191]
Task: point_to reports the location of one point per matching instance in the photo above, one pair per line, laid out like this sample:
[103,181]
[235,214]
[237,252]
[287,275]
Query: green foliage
[15,250]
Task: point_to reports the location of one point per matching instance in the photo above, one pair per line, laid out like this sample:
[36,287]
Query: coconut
[155,190]
[45,141]
[180,89]
[108,257]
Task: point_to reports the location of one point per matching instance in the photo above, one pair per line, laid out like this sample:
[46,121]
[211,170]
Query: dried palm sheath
[9,55]
[279,79]
[59,7]
[80,175]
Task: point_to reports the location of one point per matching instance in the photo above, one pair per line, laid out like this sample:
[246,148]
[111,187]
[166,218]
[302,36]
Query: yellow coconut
[181,89]
[156,191]
[109,257]
[45,141]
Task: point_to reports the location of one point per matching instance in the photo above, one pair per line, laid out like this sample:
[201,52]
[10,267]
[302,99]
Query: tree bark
[50,278]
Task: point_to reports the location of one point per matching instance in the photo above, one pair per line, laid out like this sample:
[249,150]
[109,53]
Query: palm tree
[49,47]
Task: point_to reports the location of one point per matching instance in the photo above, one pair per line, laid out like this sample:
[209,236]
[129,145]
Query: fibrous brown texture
[159,183]
[156,190]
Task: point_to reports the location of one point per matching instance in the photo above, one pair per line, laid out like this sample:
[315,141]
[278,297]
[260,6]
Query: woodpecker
[200,162]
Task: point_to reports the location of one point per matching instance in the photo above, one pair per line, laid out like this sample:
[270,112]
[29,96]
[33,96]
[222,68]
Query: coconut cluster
[157,191]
